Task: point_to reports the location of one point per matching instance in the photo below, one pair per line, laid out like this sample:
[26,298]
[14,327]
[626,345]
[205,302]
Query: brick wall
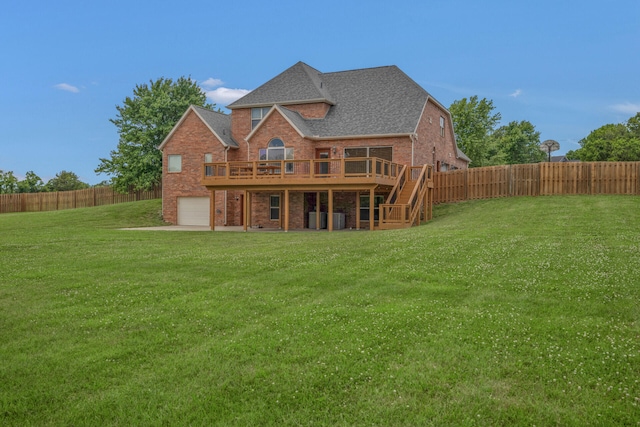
[191,140]
[315,110]
[429,137]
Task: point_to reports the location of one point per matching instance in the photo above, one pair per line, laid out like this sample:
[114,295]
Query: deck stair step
[403,198]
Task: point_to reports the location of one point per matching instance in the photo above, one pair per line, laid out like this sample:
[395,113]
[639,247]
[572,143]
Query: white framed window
[441,126]
[208,158]
[274,207]
[365,209]
[174,163]
[258,114]
[277,151]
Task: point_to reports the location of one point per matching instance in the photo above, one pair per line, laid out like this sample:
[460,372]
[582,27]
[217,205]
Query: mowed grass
[519,311]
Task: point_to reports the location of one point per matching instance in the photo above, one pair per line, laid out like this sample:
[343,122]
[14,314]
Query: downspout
[414,138]
[226,150]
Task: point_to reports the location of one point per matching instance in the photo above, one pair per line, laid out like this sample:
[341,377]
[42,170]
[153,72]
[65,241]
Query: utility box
[338,221]
[312,220]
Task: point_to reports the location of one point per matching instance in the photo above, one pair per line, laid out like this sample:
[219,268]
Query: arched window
[277,151]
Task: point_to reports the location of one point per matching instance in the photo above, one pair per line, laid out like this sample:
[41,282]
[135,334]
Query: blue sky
[566,66]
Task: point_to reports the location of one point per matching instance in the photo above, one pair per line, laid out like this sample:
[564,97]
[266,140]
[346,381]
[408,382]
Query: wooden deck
[405,204]
[312,174]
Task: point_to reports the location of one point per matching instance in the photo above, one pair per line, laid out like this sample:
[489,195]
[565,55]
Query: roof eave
[377,135]
[269,104]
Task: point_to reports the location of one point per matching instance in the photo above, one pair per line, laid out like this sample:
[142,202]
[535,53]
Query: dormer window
[258,114]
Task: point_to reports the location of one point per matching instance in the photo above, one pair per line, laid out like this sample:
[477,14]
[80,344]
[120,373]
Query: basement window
[365,209]
[274,207]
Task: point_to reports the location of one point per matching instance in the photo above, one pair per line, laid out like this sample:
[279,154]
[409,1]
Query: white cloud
[626,108]
[517,93]
[210,83]
[223,96]
[67,87]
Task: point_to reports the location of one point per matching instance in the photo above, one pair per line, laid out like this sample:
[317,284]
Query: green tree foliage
[8,182]
[143,122]
[517,143]
[65,181]
[32,183]
[474,123]
[612,143]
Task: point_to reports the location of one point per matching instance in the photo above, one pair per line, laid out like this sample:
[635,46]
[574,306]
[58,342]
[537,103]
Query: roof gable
[291,117]
[364,102]
[298,84]
[218,123]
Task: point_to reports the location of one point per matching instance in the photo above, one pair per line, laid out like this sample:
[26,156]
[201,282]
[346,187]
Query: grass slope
[513,311]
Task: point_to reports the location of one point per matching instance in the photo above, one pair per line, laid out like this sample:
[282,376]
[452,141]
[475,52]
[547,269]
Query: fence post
[466,184]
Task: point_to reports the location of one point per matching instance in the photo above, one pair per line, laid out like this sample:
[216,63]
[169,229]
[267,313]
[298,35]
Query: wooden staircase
[411,199]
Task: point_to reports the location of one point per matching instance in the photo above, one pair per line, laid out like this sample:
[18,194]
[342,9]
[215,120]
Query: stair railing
[417,196]
[395,215]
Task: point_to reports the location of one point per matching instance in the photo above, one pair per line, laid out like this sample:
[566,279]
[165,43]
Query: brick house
[348,149]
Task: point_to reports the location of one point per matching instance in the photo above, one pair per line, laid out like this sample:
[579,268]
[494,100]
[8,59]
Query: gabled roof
[218,123]
[294,119]
[298,84]
[370,101]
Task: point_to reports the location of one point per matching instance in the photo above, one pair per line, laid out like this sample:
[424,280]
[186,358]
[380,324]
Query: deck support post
[318,223]
[245,211]
[426,204]
[212,210]
[286,210]
[330,213]
[357,210]
[372,209]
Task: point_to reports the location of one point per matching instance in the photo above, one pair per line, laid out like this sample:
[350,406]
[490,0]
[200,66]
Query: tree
[612,143]
[31,183]
[8,182]
[518,143]
[143,122]
[474,123]
[65,181]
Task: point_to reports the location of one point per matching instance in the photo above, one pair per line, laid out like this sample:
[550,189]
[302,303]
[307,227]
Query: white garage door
[193,211]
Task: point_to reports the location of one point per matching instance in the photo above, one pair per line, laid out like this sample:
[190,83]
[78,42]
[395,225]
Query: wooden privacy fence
[537,180]
[97,196]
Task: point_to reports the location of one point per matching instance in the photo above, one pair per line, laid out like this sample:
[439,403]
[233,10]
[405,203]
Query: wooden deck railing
[401,215]
[363,167]
[537,180]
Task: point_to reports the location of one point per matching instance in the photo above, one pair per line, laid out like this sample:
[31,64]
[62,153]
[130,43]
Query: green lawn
[521,311]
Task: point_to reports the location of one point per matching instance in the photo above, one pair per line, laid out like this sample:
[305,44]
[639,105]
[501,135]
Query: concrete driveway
[183,228]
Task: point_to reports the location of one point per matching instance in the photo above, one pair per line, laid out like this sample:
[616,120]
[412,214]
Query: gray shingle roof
[371,101]
[462,156]
[220,123]
[298,84]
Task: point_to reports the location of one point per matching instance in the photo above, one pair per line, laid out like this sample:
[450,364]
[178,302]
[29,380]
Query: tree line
[474,123]
[32,183]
